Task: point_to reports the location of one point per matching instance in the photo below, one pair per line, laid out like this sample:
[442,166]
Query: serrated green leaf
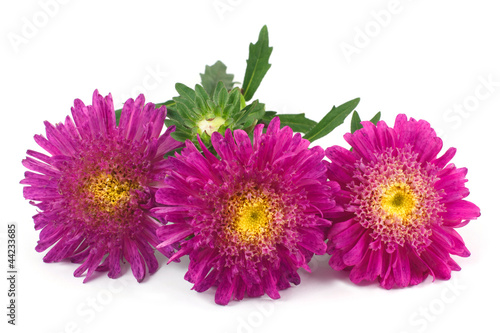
[355,122]
[334,118]
[173,114]
[211,105]
[251,125]
[180,135]
[257,64]
[268,116]
[376,118]
[241,117]
[170,122]
[187,115]
[255,114]
[201,92]
[297,122]
[221,95]
[233,104]
[168,104]
[186,92]
[202,99]
[215,74]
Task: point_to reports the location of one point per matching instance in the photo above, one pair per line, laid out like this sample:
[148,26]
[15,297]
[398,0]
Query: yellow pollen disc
[108,192]
[398,200]
[252,217]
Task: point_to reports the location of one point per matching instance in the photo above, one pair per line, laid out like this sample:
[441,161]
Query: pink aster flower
[95,190]
[402,202]
[250,219]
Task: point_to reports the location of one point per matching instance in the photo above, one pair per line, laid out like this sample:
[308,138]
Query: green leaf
[297,122]
[355,122]
[246,117]
[257,64]
[233,104]
[268,116]
[202,98]
[174,115]
[255,114]
[180,135]
[185,92]
[118,114]
[240,117]
[221,95]
[169,104]
[172,152]
[334,118]
[187,115]
[376,118]
[215,74]
[170,122]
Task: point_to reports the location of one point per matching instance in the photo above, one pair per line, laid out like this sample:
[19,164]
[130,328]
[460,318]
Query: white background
[428,59]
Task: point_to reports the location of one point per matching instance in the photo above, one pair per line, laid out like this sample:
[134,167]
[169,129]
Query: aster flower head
[402,205]
[95,188]
[250,219]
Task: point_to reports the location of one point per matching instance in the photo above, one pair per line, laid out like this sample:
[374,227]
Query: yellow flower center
[398,200]
[252,217]
[210,125]
[108,192]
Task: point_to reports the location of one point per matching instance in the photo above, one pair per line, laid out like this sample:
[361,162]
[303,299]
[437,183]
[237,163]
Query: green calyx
[196,112]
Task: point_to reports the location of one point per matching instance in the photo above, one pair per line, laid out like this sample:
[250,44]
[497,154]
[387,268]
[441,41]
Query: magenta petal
[461,210]
[169,234]
[313,241]
[360,272]
[374,267]
[148,254]
[136,261]
[270,286]
[437,265]
[207,282]
[451,239]
[401,268]
[94,260]
[357,253]
[348,236]
[168,196]
[445,158]
[114,263]
[224,291]
[244,144]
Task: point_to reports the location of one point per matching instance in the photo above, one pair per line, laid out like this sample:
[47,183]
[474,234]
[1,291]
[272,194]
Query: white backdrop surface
[432,60]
